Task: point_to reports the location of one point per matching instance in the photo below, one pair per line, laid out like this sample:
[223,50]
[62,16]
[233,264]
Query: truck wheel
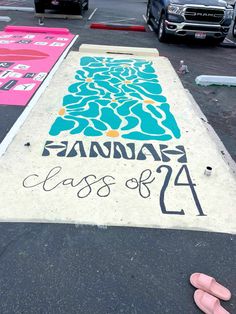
[39,7]
[234,29]
[86,5]
[148,13]
[162,36]
[80,8]
[218,41]
[77,9]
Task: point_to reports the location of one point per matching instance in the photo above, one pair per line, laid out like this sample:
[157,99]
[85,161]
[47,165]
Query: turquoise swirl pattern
[116,98]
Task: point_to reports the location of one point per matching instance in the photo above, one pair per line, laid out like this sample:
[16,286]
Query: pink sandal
[207,303]
[210,285]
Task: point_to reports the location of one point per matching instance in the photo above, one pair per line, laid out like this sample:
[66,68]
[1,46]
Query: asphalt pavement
[57,268]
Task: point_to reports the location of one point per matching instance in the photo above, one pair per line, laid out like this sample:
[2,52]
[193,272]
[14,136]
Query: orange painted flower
[113,133]
[61,112]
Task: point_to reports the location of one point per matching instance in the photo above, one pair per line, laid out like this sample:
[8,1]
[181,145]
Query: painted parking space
[27,55]
[115,269]
[102,13]
[118,144]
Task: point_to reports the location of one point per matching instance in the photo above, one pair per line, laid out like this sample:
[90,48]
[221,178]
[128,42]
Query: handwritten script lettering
[102,186]
[84,186]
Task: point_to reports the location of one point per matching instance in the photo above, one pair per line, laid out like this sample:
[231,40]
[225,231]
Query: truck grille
[204,15]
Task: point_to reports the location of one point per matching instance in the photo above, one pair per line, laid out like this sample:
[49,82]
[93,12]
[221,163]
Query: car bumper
[184,29]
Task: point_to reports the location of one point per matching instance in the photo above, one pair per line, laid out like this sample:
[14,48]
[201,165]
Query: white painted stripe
[22,9]
[92,14]
[229,41]
[123,20]
[151,29]
[5,19]
[19,122]
[149,26]
[118,17]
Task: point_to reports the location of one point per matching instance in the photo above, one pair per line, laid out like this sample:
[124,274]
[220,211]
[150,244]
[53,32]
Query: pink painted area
[27,54]
[30,29]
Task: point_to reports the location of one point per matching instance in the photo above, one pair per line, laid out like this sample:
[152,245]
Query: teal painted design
[99,125]
[60,124]
[132,122]
[89,131]
[116,94]
[147,122]
[80,125]
[145,137]
[109,117]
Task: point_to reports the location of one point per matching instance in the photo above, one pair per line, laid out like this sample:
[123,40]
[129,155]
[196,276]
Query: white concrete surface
[124,206]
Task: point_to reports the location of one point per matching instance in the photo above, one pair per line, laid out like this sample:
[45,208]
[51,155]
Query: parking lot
[217,103]
[39,270]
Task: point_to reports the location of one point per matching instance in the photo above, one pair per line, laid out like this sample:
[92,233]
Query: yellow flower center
[113,133]
[128,82]
[61,112]
[88,79]
[148,101]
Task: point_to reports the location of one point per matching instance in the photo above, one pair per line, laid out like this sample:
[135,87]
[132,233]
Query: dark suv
[67,6]
[199,18]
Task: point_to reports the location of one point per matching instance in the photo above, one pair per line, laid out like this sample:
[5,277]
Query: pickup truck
[199,18]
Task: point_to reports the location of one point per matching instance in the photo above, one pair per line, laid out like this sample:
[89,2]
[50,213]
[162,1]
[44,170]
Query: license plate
[200,35]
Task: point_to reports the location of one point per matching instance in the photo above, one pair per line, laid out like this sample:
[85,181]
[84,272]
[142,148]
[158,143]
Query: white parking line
[145,19]
[229,41]
[151,29]
[92,14]
[118,21]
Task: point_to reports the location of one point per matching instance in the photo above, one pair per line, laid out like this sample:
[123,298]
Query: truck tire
[218,41]
[234,29]
[161,32]
[77,8]
[86,5]
[148,13]
[39,7]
